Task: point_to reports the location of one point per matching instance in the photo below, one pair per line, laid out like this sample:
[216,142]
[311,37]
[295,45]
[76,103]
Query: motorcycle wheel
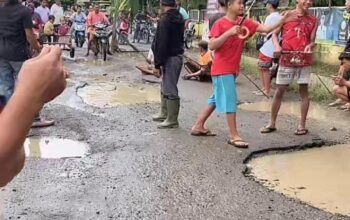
[72,52]
[104,51]
[188,42]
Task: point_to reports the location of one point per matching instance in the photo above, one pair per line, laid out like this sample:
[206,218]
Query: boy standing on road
[268,49]
[228,46]
[168,51]
[295,62]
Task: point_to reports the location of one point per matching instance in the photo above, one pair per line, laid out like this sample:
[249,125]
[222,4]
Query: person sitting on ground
[49,29]
[40,80]
[199,70]
[346,75]
[342,86]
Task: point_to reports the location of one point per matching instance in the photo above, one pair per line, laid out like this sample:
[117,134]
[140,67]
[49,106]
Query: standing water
[319,177]
[288,108]
[54,148]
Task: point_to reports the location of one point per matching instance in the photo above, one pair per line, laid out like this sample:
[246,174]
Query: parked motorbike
[101,42]
[79,29]
[189,34]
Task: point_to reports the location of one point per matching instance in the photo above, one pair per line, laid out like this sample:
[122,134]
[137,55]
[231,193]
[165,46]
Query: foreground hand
[157,73]
[44,76]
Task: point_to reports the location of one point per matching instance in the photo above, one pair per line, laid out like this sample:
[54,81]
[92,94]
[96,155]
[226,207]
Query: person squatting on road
[168,50]
[225,35]
[267,50]
[40,80]
[344,74]
[342,88]
[295,61]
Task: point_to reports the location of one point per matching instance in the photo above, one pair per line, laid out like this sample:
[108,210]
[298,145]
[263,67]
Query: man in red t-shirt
[295,62]
[228,42]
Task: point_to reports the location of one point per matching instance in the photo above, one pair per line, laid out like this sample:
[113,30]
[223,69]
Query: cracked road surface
[135,171]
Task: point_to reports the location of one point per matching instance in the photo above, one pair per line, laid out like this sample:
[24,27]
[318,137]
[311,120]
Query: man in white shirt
[57,11]
[268,49]
[43,11]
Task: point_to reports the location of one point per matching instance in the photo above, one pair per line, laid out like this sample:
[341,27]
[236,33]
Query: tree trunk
[114,45]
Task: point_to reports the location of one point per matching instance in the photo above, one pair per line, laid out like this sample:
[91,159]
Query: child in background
[49,29]
[228,45]
[199,70]
[64,28]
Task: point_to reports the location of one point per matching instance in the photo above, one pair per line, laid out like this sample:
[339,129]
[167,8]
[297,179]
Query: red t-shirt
[296,36]
[227,58]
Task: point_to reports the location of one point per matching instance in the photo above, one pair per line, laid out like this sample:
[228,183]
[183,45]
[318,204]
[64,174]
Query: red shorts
[265,62]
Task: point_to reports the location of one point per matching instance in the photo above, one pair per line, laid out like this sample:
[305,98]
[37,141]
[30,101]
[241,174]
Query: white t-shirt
[269,48]
[57,11]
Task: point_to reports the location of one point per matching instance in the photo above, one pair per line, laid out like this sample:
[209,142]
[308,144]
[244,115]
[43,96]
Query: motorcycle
[189,34]
[101,42]
[79,29]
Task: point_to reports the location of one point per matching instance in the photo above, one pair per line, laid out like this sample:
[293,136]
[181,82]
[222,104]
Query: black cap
[346,53]
[168,2]
[272,2]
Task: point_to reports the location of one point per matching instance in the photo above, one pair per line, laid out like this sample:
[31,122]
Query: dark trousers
[171,74]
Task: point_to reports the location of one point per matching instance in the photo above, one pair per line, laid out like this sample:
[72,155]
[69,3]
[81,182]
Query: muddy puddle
[288,108]
[54,148]
[319,177]
[111,94]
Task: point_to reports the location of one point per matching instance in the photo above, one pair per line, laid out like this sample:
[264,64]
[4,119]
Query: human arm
[313,35]
[286,17]
[161,44]
[40,80]
[27,24]
[217,40]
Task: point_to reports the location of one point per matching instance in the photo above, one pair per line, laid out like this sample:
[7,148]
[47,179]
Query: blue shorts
[225,94]
[8,75]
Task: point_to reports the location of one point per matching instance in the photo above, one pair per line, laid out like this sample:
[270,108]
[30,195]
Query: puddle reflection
[289,108]
[54,148]
[320,177]
[111,95]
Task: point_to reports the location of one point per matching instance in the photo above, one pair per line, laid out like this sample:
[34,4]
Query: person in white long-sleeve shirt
[57,11]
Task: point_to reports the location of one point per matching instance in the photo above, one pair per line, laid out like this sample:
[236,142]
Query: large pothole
[112,94]
[319,176]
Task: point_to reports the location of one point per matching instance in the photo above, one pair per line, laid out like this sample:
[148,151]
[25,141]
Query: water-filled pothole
[318,176]
[288,108]
[54,148]
[111,94]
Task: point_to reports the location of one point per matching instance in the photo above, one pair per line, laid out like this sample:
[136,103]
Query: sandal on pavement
[301,131]
[266,130]
[239,143]
[202,134]
[42,123]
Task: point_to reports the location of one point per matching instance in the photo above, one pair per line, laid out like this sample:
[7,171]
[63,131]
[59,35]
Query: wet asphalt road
[135,171]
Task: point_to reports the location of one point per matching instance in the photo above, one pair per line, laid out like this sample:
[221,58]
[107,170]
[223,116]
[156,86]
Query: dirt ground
[135,171]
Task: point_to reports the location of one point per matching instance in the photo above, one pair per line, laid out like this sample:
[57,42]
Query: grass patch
[320,94]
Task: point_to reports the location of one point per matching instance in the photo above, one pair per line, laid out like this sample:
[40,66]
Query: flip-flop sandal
[185,78]
[266,130]
[238,143]
[42,123]
[301,132]
[202,134]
